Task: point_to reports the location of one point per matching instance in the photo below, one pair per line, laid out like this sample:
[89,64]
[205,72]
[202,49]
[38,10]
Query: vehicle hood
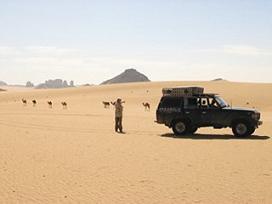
[241,109]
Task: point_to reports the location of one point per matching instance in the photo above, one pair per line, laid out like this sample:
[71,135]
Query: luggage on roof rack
[182,91]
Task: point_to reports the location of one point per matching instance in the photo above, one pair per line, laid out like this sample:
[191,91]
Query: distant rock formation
[219,79]
[54,84]
[2,90]
[129,75]
[3,83]
[87,85]
[29,84]
[72,84]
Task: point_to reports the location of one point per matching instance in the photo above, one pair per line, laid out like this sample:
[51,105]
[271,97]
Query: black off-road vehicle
[187,109]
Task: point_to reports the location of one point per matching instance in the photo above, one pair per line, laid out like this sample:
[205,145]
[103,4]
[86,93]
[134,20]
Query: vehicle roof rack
[206,94]
[182,91]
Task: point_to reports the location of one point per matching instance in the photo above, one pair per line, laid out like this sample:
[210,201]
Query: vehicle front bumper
[259,123]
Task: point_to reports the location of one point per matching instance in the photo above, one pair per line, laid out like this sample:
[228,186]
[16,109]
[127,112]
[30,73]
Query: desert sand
[74,155]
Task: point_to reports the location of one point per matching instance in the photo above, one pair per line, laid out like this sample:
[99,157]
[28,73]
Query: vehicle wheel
[242,129]
[180,127]
[192,130]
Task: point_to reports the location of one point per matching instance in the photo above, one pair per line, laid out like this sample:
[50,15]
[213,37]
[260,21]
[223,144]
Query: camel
[50,104]
[106,104]
[24,102]
[34,102]
[64,105]
[147,106]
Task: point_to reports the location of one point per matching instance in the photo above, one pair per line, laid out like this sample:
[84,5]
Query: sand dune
[74,156]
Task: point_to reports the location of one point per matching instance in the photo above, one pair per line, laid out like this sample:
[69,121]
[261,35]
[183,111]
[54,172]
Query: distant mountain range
[129,75]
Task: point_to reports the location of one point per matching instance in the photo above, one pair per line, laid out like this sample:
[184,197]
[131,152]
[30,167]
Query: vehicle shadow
[214,137]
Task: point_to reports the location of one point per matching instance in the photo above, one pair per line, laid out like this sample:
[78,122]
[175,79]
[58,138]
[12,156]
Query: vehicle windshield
[221,102]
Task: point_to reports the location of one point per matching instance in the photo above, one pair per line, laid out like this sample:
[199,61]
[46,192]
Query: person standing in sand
[118,115]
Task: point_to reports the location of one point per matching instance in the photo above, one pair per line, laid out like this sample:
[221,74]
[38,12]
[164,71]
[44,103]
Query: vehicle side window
[190,103]
[213,103]
[203,103]
[207,103]
[171,102]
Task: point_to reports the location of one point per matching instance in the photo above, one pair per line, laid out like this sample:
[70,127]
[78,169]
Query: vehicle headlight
[255,116]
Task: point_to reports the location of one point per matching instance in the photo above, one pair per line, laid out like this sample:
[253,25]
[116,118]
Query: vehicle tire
[242,129]
[180,127]
[192,130]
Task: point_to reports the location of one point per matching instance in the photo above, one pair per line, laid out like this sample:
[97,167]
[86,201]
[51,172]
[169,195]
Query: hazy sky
[93,40]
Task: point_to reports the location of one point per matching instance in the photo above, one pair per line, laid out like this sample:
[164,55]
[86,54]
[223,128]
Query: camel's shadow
[214,137]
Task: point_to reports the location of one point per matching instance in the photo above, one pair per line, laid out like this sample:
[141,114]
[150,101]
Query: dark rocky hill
[219,79]
[129,75]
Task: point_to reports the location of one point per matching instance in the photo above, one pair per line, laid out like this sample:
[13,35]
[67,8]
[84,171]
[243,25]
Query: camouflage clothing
[118,124]
[118,115]
[118,110]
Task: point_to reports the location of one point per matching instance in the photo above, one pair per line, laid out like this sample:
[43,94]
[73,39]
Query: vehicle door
[210,111]
[204,111]
[170,107]
[191,110]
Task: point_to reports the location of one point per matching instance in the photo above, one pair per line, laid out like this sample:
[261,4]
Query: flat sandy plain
[74,155]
